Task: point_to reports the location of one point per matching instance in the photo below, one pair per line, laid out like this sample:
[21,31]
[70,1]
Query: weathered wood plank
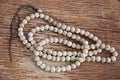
[101,17]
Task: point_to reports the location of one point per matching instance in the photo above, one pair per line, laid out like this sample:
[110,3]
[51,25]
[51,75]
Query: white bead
[36,53]
[103,59]
[58,58]
[72,29]
[46,17]
[37,28]
[93,58]
[95,38]
[53,58]
[20,34]
[63,68]
[81,59]
[46,27]
[64,53]
[39,10]
[44,56]
[30,34]
[77,63]
[54,53]
[42,66]
[25,41]
[68,68]
[24,21]
[47,68]
[63,26]
[67,58]
[73,36]
[90,53]
[58,69]
[55,29]
[64,33]
[20,29]
[32,16]
[88,59]
[62,59]
[27,18]
[21,25]
[69,34]
[73,66]
[107,47]
[60,40]
[52,69]
[60,31]
[37,59]
[77,30]
[95,52]
[92,46]
[87,33]
[98,58]
[82,32]
[108,59]
[59,25]
[115,53]
[69,43]
[22,38]
[42,15]
[113,58]
[68,28]
[33,30]
[39,63]
[37,15]
[91,36]
[59,53]
[112,49]
[102,46]
[69,53]
[49,57]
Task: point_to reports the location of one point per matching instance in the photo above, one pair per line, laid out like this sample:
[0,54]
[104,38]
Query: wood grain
[101,17]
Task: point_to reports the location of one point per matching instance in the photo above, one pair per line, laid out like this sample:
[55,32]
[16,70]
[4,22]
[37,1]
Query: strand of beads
[87,52]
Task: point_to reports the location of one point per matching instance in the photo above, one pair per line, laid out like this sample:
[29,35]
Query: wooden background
[101,17]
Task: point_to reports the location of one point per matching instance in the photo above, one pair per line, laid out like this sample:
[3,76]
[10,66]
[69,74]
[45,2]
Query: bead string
[85,52]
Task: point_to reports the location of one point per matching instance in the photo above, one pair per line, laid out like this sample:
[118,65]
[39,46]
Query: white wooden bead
[37,15]
[37,59]
[69,34]
[39,63]
[115,53]
[113,58]
[44,56]
[42,66]
[69,43]
[42,15]
[36,53]
[95,52]
[58,69]
[63,68]
[60,31]
[59,53]
[32,16]
[91,36]
[52,69]
[64,53]
[46,17]
[67,58]
[59,25]
[55,29]
[72,29]
[82,32]
[63,26]
[30,34]
[49,57]
[68,28]
[37,28]
[39,10]
[68,68]
[47,68]
[77,63]
[88,59]
[112,49]
[62,59]
[77,30]
[95,38]
[107,47]
[87,33]
[98,58]
[102,46]
[93,58]
[73,66]
[33,30]
[108,59]
[103,59]
[54,53]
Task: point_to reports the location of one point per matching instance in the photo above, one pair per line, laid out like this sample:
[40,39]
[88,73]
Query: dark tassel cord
[16,17]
